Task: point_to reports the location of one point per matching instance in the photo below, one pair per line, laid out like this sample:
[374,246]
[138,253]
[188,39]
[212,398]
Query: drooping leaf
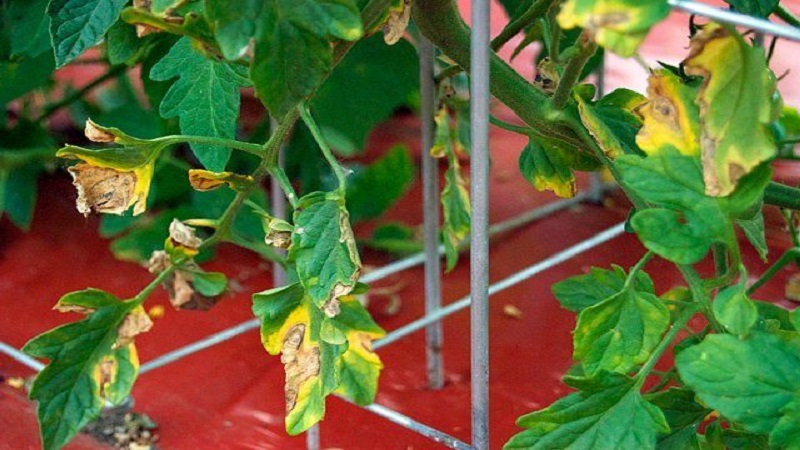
[670,117]
[582,291]
[359,367]
[456,208]
[324,250]
[749,381]
[609,413]
[205,98]
[372,190]
[620,332]
[206,180]
[293,53]
[618,25]
[354,98]
[29,27]
[76,25]
[736,106]
[74,386]
[544,168]
[611,121]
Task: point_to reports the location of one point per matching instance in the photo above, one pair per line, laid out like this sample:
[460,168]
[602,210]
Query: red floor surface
[230,396]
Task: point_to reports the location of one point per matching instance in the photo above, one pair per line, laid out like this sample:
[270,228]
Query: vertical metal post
[479,250]
[595,179]
[430,208]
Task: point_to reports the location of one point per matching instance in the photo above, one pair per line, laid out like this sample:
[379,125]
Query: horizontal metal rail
[734,18]
[20,357]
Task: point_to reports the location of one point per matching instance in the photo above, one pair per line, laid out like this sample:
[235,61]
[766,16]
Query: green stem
[142,296]
[283,181]
[80,93]
[555,35]
[338,170]
[572,72]
[720,259]
[637,268]
[699,294]
[782,196]
[253,149]
[787,16]
[788,257]
[527,131]
[677,326]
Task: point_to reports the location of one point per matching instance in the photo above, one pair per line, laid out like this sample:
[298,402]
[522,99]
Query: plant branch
[637,268]
[788,257]
[142,296]
[337,168]
[527,131]
[677,326]
[572,73]
[80,93]
[253,149]
[699,295]
[781,195]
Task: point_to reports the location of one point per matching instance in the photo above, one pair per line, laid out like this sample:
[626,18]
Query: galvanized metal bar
[430,208]
[734,18]
[278,209]
[417,427]
[479,236]
[20,357]
[313,438]
[504,284]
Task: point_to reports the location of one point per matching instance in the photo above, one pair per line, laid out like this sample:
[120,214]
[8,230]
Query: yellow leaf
[669,117]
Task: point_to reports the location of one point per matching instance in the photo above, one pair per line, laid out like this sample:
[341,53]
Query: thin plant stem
[253,149]
[676,328]
[337,168]
[572,72]
[788,257]
[527,131]
[637,268]
[144,293]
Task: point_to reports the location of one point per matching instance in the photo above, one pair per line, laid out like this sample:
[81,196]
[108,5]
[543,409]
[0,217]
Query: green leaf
[736,106]
[293,53]
[205,98]
[786,433]
[122,43]
[734,310]
[749,381]
[618,25]
[29,27]
[234,23]
[354,98]
[620,332]
[683,414]
[20,194]
[664,232]
[758,8]
[323,249]
[582,291]
[456,208]
[371,191]
[76,25]
[544,168]
[610,413]
[20,77]
[611,121]
[395,238]
[68,390]
[209,284]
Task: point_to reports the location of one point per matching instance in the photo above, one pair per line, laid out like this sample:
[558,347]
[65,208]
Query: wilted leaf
[456,208]
[605,411]
[205,180]
[396,23]
[183,235]
[136,322]
[359,367]
[749,381]
[544,168]
[618,25]
[736,106]
[611,121]
[670,118]
[205,98]
[324,250]
[105,190]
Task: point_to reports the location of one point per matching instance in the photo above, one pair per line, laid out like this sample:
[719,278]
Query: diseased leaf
[293,53]
[749,381]
[620,332]
[205,98]
[544,168]
[76,25]
[456,211]
[670,117]
[359,367]
[206,180]
[618,25]
[324,250]
[611,121]
[607,413]
[396,23]
[73,388]
[736,106]
[374,189]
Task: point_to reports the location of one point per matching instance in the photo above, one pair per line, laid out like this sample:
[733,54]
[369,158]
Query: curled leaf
[736,106]
[105,190]
[96,133]
[183,235]
[669,116]
[278,232]
[206,180]
[546,170]
[396,23]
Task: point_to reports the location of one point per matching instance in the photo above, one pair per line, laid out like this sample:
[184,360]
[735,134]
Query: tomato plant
[692,156]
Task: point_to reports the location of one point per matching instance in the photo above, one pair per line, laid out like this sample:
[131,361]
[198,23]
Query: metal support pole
[479,249]
[430,208]
[278,209]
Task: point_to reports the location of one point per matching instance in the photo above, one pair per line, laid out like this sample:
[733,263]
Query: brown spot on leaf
[182,234]
[182,294]
[134,323]
[102,189]
[104,374]
[280,239]
[792,291]
[299,362]
[396,23]
[96,133]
